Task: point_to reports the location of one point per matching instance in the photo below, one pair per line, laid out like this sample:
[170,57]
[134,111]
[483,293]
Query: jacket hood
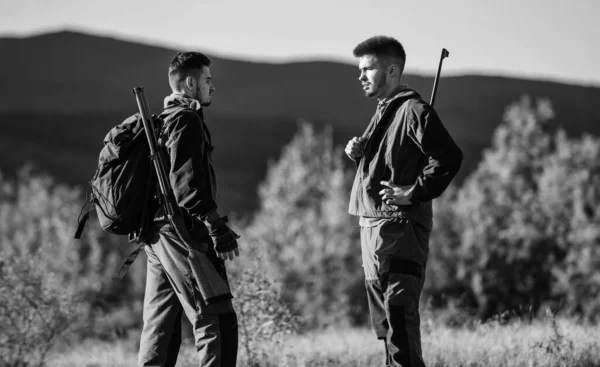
[180,100]
[403,92]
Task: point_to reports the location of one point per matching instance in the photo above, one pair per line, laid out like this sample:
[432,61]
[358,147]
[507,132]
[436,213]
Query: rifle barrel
[445,54]
[155,155]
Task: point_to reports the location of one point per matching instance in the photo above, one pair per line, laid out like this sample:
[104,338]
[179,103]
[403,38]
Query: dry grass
[94,353]
[548,343]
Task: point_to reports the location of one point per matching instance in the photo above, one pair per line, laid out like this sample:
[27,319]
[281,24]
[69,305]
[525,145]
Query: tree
[569,193]
[310,241]
[524,218]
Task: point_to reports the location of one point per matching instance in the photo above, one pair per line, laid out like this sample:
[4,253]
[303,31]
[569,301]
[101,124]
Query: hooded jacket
[406,144]
[188,144]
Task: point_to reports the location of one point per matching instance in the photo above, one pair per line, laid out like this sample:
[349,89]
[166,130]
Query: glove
[224,239]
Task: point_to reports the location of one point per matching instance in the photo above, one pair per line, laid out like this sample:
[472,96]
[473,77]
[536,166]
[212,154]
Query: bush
[264,318]
[35,309]
[38,218]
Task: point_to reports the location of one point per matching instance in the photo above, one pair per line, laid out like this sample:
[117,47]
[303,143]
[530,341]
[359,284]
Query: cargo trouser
[394,253]
[170,292]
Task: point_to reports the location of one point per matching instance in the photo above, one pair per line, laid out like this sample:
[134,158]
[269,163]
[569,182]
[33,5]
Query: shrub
[38,218]
[35,309]
[264,318]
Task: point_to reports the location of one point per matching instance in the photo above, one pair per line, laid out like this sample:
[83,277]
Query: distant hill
[61,93]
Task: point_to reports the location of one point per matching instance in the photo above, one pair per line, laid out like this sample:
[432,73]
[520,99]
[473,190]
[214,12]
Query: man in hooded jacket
[175,284]
[404,159]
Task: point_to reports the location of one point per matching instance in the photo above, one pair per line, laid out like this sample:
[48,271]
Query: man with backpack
[405,158]
[172,284]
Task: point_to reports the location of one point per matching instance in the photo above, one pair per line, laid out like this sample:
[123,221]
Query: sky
[538,39]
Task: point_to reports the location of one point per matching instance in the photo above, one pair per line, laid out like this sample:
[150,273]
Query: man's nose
[362,77]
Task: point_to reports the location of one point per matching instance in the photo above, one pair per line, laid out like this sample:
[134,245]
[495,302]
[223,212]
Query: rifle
[212,286]
[445,54]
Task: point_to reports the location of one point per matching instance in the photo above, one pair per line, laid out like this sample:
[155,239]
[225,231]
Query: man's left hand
[396,195]
[229,254]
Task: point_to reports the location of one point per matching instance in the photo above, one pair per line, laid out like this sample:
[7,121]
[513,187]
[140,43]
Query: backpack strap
[82,222]
[83,219]
[130,259]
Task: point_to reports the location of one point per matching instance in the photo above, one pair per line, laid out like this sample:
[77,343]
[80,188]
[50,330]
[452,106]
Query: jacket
[406,144]
[188,144]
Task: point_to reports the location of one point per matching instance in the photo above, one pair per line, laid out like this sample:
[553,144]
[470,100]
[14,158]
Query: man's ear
[393,69]
[190,82]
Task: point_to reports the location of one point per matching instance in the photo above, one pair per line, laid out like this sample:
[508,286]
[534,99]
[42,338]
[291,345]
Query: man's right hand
[355,147]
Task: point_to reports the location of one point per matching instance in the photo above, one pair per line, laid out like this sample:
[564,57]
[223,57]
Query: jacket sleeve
[445,157]
[189,172]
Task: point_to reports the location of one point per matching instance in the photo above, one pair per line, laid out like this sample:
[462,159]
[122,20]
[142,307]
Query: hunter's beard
[374,92]
[204,101]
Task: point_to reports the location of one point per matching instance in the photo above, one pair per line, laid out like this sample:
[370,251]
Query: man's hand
[355,147]
[223,238]
[396,195]
[225,241]
[229,255]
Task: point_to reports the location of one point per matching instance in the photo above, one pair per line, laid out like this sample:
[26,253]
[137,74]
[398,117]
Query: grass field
[547,343]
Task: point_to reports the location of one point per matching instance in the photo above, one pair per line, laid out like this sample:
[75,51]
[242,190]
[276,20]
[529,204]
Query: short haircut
[185,63]
[383,47]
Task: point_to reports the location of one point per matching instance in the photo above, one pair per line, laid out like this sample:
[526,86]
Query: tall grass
[551,342]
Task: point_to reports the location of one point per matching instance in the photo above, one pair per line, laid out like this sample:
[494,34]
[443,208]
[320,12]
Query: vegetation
[310,241]
[547,342]
[515,244]
[522,230]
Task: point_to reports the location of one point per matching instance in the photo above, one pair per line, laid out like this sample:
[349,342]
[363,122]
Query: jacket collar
[177,99]
[397,93]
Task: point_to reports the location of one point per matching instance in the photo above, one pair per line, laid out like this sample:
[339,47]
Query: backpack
[123,187]
[124,183]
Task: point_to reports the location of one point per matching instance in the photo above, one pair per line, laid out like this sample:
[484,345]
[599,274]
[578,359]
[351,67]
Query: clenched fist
[355,147]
